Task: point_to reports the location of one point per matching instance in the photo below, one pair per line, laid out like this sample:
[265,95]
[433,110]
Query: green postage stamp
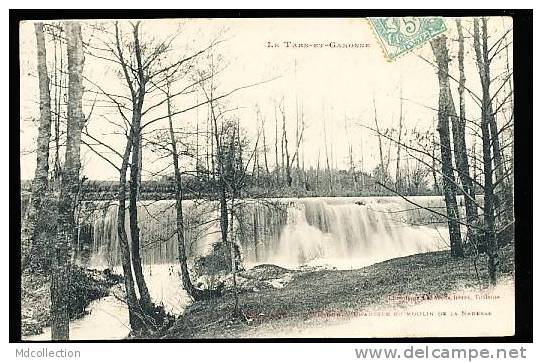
[400,35]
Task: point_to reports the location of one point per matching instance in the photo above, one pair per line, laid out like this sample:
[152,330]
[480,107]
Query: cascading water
[343,232]
[158,240]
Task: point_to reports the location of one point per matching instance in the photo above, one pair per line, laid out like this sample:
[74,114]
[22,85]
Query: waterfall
[157,224]
[343,232]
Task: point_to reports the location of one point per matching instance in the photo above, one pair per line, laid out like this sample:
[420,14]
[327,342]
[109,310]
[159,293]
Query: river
[337,232]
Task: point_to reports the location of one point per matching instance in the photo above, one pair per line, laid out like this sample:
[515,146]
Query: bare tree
[458,130]
[266,165]
[277,170]
[286,161]
[398,165]
[440,51]
[489,207]
[383,173]
[137,90]
[39,184]
[195,293]
[69,186]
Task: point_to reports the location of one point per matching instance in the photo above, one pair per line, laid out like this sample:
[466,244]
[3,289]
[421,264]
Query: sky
[335,85]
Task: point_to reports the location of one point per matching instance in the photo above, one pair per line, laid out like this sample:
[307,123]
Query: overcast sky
[335,83]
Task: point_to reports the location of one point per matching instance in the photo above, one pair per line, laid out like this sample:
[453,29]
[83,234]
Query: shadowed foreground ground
[317,295]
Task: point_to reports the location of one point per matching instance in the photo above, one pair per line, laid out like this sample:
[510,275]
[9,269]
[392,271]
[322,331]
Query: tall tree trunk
[69,187]
[277,147]
[233,255]
[287,162]
[440,51]
[237,306]
[207,163]
[222,192]
[317,172]
[266,165]
[398,161]
[436,187]
[195,293]
[129,285]
[256,164]
[197,141]
[303,173]
[39,184]
[328,168]
[135,176]
[460,147]
[134,310]
[505,210]
[350,154]
[489,207]
[59,75]
[298,166]
[361,168]
[383,169]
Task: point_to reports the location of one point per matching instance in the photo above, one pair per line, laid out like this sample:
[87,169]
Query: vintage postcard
[211,178]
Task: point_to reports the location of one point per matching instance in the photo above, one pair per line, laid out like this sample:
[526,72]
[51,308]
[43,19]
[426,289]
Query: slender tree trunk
[133,212]
[135,172]
[436,187]
[383,169]
[207,163]
[441,54]
[282,163]
[129,285]
[297,140]
[506,207]
[237,306]
[489,207]
[256,164]
[398,161]
[287,162]
[361,168]
[39,184]
[266,165]
[222,192]
[350,154]
[134,310]
[317,171]
[328,168]
[195,293]
[304,174]
[59,75]
[197,140]
[460,147]
[277,147]
[60,283]
[232,166]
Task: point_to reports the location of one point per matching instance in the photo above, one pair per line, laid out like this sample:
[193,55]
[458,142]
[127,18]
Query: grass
[311,293]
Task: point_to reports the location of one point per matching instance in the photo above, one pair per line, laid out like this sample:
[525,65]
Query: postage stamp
[400,35]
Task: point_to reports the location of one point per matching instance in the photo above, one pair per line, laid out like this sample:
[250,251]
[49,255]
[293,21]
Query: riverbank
[87,285]
[306,301]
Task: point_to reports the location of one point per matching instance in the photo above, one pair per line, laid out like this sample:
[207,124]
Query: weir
[341,232]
